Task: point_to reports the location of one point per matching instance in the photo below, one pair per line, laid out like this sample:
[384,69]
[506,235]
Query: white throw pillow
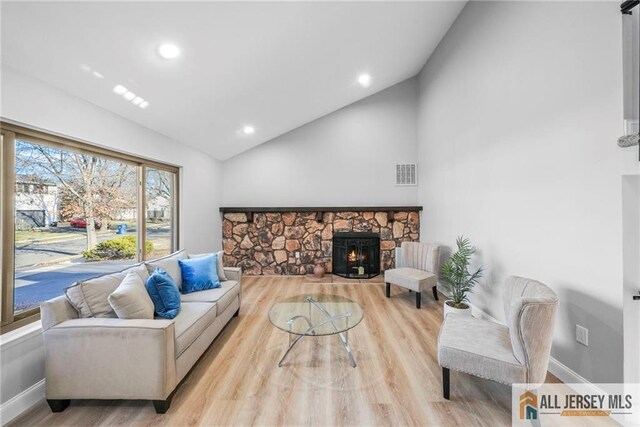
[131,300]
[90,297]
[170,265]
[221,274]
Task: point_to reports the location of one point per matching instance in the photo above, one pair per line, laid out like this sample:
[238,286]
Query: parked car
[81,223]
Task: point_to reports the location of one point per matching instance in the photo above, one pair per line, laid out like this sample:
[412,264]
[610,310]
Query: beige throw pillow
[89,297]
[170,265]
[131,300]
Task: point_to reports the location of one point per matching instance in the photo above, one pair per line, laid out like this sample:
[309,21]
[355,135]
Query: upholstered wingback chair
[517,352]
[416,269]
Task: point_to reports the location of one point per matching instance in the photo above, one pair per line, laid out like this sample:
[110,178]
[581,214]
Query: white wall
[631,275]
[519,111]
[346,158]
[36,104]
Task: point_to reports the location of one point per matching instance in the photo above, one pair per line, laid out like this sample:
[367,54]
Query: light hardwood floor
[237,380]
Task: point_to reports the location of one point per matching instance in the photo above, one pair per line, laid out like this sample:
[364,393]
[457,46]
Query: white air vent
[406,174]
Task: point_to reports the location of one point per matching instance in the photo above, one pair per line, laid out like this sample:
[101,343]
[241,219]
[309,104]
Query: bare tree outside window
[92,188]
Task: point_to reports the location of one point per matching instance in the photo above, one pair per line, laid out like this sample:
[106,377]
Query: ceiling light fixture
[248,130]
[120,90]
[168,51]
[129,95]
[97,75]
[364,80]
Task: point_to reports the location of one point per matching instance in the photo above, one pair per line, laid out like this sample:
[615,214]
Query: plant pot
[318,270]
[451,309]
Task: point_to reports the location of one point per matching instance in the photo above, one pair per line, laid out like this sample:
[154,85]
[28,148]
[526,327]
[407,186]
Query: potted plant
[458,279]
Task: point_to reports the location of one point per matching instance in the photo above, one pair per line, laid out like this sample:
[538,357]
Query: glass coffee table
[316,315]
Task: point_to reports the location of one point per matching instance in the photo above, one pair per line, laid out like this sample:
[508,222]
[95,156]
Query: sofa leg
[418,299]
[445,383]
[387,290]
[162,406]
[237,313]
[58,405]
[435,292]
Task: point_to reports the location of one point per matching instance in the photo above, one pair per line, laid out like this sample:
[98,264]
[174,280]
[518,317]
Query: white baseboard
[569,376]
[17,405]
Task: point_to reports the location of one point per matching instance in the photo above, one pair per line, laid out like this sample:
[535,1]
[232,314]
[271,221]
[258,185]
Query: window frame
[10,133]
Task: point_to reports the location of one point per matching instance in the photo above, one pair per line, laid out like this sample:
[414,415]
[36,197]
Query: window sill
[20,335]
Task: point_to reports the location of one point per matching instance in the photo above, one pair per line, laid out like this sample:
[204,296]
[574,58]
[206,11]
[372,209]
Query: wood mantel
[225,209]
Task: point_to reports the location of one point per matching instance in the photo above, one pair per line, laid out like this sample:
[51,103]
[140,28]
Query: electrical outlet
[582,335]
[297,254]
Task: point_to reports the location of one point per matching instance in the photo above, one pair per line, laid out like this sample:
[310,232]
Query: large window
[71,211]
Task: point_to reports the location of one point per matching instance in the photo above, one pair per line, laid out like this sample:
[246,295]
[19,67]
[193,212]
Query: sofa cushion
[90,297]
[223,295]
[193,319]
[130,300]
[221,274]
[170,265]
[199,274]
[164,294]
[479,347]
[410,278]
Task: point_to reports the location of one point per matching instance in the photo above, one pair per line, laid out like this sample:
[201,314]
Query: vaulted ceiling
[271,65]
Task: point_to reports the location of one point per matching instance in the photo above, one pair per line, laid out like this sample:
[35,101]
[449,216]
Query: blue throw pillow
[199,274]
[164,294]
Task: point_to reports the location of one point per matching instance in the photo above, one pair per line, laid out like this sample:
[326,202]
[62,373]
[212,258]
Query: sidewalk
[58,239]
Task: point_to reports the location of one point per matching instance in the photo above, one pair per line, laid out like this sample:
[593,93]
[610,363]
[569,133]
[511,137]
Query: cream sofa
[110,358]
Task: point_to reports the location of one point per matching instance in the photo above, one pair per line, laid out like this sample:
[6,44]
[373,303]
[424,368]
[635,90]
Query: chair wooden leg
[387,290]
[58,405]
[162,406]
[418,299]
[435,292]
[445,383]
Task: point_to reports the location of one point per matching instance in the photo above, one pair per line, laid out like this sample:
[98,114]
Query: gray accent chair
[416,269]
[517,352]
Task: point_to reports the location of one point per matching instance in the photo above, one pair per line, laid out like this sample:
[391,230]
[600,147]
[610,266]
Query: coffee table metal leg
[345,344]
[311,330]
[297,340]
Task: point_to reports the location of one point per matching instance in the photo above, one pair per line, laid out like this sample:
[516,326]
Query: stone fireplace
[290,241]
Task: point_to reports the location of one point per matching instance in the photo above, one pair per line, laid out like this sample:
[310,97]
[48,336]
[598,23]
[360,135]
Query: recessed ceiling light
[248,130]
[364,80]
[168,50]
[120,90]
[97,75]
[130,96]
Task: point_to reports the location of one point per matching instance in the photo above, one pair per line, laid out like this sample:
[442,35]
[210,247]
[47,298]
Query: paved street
[40,253]
[46,253]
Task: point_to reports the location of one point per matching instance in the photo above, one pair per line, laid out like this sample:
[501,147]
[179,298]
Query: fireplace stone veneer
[290,241]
